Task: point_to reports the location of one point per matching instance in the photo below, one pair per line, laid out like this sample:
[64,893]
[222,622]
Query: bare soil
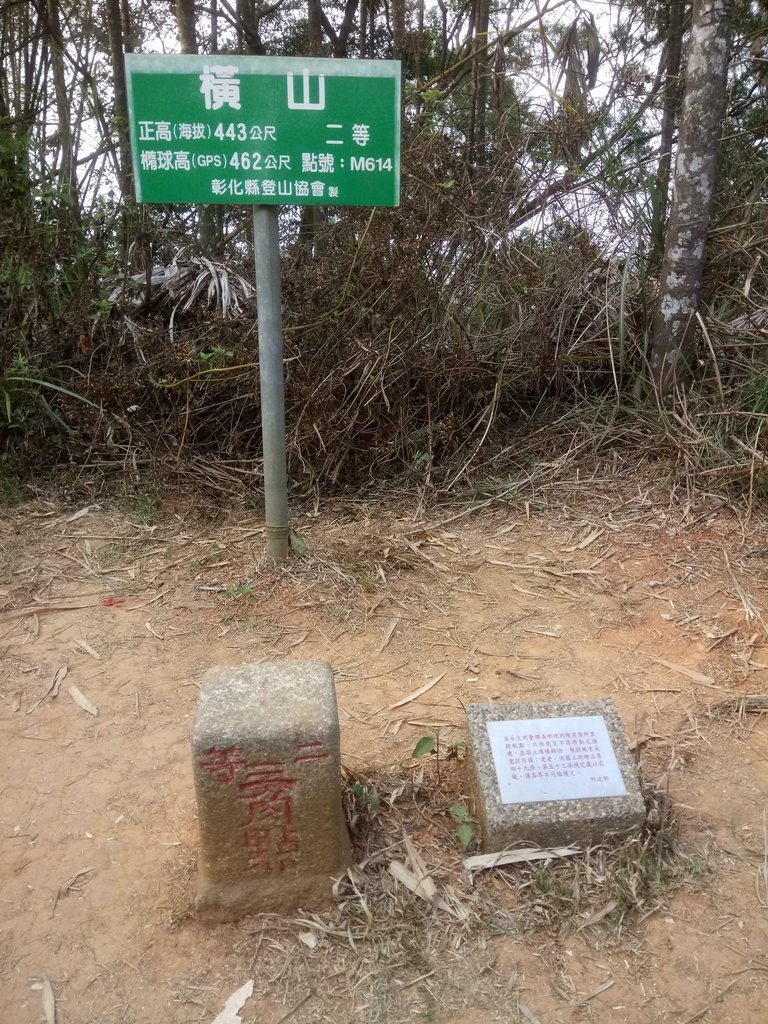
[587,597]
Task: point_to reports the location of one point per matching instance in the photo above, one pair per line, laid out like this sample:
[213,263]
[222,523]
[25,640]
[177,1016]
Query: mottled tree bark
[115,31]
[694,187]
[69,209]
[186,24]
[673,55]
[481,73]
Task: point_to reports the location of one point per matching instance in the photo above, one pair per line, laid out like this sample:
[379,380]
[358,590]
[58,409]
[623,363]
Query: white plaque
[554,759]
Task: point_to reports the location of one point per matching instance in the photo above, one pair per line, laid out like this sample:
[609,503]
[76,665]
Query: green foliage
[245,590]
[22,387]
[298,544]
[465,823]
[217,357]
[424,344]
[426,745]
[146,505]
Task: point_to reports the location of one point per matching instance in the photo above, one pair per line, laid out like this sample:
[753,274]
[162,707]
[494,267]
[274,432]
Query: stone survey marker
[551,774]
[267,771]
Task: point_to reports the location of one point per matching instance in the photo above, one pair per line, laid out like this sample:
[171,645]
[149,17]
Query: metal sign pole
[266,247]
[268,131]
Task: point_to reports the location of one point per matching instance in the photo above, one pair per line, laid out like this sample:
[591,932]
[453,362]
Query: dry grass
[388,953]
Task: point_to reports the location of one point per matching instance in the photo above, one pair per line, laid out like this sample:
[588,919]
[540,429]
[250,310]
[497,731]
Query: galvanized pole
[266,246]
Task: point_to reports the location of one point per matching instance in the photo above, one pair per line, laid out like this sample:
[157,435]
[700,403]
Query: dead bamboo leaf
[53,689]
[423,887]
[484,861]
[683,670]
[79,515]
[590,539]
[83,645]
[388,634]
[415,859]
[80,699]
[231,1012]
[299,639]
[751,609]
[506,529]
[598,915]
[416,693]
[528,1013]
[601,988]
[415,548]
[49,1000]
[76,878]
[58,679]
[438,723]
[705,1009]
[38,609]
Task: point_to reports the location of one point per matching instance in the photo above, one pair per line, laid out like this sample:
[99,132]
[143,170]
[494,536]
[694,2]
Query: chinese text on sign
[266,130]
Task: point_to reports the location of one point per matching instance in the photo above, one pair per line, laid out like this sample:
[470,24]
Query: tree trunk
[115,31]
[248,29]
[185,22]
[69,208]
[397,8]
[694,188]
[673,53]
[480,79]
[315,28]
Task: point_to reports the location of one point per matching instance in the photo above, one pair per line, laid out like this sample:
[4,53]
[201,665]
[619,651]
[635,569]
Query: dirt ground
[594,593]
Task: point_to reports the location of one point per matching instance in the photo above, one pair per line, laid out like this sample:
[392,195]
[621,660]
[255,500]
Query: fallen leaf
[426,745]
[423,887]
[85,646]
[37,609]
[49,1000]
[79,698]
[388,635]
[528,1013]
[53,689]
[231,1012]
[309,939]
[598,915]
[506,529]
[58,679]
[76,878]
[598,532]
[416,693]
[78,515]
[683,670]
[298,544]
[484,861]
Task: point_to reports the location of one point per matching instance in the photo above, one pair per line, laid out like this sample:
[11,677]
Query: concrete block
[267,772]
[551,774]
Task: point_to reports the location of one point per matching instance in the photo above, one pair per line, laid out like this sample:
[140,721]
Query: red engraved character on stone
[224,763]
[314,751]
[268,835]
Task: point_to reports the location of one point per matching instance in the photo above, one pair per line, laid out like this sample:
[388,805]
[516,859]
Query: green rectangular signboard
[268,130]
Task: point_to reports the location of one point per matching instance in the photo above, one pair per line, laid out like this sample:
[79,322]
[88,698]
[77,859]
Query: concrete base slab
[551,774]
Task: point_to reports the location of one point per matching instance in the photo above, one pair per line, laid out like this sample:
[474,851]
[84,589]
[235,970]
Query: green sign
[267,130]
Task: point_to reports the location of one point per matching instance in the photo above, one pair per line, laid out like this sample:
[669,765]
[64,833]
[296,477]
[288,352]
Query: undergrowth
[423,346]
